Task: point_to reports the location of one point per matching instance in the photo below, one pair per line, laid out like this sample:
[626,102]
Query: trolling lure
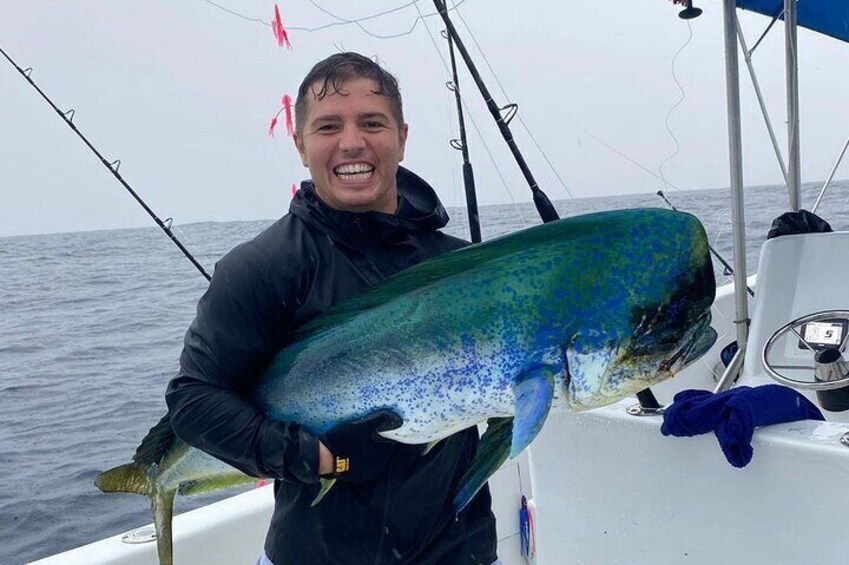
[287,111]
[526,530]
[279,31]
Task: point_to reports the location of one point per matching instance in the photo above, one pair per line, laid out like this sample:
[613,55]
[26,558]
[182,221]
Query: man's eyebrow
[327,118]
[370,115]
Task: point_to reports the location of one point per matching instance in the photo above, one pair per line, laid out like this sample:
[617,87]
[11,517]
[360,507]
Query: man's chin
[364,199]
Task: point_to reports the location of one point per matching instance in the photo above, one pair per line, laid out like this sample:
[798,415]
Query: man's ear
[299,145]
[402,132]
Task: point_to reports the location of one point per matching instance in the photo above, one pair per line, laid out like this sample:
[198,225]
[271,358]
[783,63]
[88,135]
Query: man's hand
[325,460]
[354,451]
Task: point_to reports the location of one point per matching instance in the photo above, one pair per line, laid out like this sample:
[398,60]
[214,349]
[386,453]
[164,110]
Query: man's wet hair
[330,74]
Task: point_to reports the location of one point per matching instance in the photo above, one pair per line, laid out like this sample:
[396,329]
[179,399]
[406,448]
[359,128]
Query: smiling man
[359,219]
[351,138]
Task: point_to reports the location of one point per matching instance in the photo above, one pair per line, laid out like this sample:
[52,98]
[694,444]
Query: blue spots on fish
[370,390]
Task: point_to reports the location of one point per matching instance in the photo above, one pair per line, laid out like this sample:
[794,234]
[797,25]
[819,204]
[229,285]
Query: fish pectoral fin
[326,485]
[533,392]
[493,449]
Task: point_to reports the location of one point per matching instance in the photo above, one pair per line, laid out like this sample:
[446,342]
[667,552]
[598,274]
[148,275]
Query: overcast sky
[183,92]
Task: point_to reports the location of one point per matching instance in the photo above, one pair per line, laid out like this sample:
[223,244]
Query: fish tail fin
[135,478]
[131,478]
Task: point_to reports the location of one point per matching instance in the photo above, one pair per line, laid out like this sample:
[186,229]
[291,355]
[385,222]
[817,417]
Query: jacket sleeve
[242,319]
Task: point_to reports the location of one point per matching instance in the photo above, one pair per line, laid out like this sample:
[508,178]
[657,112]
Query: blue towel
[734,414]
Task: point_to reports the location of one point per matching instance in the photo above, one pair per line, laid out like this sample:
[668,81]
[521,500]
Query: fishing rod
[461,144]
[728,269]
[113,167]
[543,204]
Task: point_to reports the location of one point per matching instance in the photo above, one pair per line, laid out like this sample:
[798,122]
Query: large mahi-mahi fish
[582,311]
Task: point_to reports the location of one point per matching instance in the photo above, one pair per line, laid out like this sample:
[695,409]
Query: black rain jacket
[261,291]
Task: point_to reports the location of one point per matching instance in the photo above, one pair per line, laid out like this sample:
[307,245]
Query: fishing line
[672,108]
[728,270]
[113,166]
[237,14]
[720,218]
[377,35]
[341,21]
[621,154]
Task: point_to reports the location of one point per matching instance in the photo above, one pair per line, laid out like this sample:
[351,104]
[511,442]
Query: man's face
[352,145]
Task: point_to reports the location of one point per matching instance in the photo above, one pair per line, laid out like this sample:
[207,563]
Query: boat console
[800,319]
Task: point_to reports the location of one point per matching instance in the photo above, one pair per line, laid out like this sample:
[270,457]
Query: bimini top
[830,17]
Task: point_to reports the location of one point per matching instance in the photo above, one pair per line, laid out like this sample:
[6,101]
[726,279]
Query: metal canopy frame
[791,171]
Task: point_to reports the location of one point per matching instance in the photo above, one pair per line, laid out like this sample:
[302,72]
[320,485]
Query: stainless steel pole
[735,154]
[830,176]
[747,57]
[794,175]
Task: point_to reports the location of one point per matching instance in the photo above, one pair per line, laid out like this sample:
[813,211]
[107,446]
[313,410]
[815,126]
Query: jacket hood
[419,210]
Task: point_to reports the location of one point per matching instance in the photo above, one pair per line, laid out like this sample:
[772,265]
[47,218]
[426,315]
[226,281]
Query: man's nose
[351,139]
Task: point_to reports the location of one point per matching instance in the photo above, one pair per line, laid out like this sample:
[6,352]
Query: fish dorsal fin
[156,444]
[424,274]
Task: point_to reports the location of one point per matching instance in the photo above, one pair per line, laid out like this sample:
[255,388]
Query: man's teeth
[354,171]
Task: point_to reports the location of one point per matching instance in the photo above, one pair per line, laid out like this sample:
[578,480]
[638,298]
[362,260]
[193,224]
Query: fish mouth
[701,345]
[698,342]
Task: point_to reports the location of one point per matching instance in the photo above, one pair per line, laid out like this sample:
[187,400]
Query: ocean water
[91,326]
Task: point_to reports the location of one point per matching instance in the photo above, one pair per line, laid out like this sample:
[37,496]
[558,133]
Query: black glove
[359,454]
[802,221]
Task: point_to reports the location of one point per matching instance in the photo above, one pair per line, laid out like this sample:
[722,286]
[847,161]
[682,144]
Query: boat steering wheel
[793,326]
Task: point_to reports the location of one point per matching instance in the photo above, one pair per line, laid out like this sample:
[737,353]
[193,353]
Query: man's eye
[373,125]
[328,128]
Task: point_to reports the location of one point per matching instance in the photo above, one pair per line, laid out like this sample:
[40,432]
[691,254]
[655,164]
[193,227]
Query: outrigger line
[113,167]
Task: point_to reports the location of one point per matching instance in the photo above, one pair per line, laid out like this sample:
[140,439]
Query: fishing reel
[824,334]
